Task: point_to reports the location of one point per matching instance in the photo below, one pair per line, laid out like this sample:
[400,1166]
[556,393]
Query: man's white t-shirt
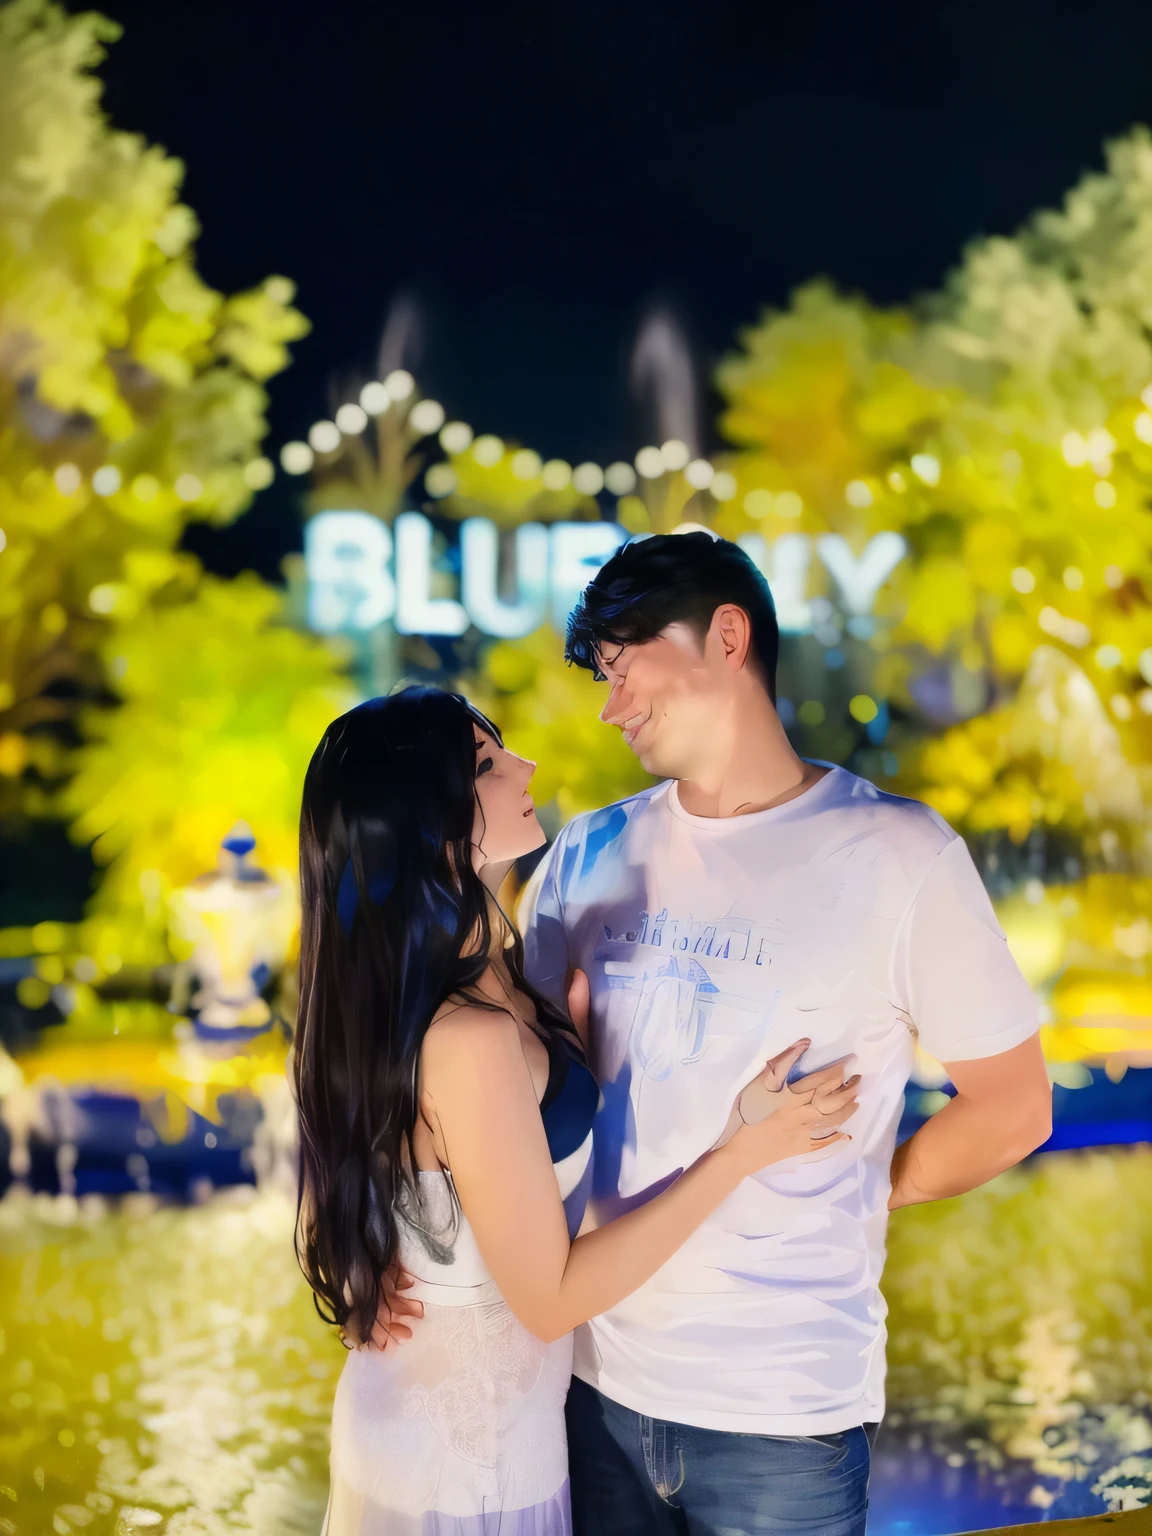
[847,916]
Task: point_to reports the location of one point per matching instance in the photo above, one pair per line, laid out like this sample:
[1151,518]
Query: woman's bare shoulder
[463,1035]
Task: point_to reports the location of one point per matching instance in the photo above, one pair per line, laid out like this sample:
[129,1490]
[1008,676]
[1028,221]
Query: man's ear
[733,629]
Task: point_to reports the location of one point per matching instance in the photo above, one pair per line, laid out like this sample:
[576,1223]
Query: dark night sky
[535,173]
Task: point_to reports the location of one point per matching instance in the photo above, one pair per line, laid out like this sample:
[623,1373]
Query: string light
[258,474]
[674,454]
[68,479]
[296,458]
[374,398]
[351,419]
[324,436]
[426,417]
[399,384]
[441,480]
[527,464]
[588,479]
[488,450]
[455,437]
[620,478]
[556,475]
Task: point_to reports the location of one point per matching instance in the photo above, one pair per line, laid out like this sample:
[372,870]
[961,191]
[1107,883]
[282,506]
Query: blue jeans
[635,1476]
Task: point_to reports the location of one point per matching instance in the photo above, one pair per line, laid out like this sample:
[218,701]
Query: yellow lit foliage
[1000,430]
[1053,757]
[222,707]
[114,355]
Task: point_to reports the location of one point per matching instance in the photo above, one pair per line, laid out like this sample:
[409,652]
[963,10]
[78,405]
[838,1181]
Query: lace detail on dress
[491,1363]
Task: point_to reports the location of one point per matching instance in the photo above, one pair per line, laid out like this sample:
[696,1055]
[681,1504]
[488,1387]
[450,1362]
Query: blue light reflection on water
[914,1493]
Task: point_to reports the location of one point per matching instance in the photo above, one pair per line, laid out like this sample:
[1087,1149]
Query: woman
[446,1115]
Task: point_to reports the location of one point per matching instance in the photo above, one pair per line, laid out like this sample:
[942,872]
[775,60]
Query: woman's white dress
[460,1430]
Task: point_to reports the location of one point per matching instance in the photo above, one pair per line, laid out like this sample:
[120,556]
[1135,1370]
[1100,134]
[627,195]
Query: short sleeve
[541,920]
[960,985]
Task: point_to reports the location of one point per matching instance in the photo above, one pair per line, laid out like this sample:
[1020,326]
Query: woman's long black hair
[395,920]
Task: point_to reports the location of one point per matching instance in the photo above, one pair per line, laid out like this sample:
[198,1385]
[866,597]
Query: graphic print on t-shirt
[668,973]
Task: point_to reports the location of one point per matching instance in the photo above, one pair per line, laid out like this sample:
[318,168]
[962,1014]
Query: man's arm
[975,1012]
[1001,1112]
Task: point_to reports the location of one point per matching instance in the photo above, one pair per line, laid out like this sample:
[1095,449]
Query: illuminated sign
[362,573]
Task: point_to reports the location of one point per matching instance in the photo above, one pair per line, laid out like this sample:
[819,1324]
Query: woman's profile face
[505,825]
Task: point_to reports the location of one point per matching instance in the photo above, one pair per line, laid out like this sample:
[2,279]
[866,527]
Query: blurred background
[339,348]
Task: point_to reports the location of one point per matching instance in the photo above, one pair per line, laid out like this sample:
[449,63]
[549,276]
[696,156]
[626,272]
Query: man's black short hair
[666,579]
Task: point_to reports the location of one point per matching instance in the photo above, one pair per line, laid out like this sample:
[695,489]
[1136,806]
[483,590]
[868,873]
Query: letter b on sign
[349,584]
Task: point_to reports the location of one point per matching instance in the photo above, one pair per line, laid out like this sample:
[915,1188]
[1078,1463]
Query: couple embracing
[602,1210]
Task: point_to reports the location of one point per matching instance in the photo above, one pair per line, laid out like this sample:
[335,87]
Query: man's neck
[760,768]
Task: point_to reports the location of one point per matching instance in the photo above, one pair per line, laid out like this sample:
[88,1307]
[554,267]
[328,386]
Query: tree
[146,702]
[130,392]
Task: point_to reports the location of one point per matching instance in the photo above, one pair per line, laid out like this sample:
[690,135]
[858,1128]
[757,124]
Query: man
[751,900]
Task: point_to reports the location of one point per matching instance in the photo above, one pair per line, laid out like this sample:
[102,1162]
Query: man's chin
[651,761]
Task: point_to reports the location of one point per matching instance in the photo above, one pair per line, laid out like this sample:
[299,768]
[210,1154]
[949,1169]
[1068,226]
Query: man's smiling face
[663,697]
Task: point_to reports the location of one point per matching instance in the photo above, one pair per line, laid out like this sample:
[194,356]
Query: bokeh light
[189,487]
[374,398]
[488,450]
[296,458]
[107,480]
[324,437]
[399,384]
[620,479]
[650,463]
[426,417]
[455,436]
[351,419]
[556,474]
[68,479]
[588,479]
